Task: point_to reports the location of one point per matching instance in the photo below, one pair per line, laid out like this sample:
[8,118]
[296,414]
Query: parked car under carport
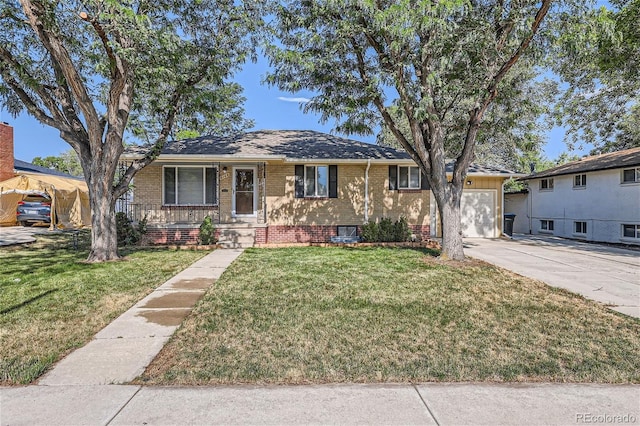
[34,208]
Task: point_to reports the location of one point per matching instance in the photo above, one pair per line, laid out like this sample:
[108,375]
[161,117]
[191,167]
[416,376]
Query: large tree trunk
[104,238]
[450,216]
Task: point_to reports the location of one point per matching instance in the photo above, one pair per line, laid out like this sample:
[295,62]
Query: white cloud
[297,100]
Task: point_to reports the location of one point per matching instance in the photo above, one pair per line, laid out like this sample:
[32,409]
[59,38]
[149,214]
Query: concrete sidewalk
[122,350]
[82,390]
[387,404]
[609,275]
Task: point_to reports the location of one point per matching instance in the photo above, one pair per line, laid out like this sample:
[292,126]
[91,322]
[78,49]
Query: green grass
[52,302]
[321,315]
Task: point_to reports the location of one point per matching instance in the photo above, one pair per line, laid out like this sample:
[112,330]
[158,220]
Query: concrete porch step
[237,237]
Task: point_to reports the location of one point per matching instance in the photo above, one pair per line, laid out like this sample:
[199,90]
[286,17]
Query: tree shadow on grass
[28,301]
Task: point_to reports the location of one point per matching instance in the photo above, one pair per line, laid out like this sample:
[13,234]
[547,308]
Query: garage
[478,211]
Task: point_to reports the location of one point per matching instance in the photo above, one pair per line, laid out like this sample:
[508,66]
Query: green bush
[207,234]
[370,232]
[401,231]
[386,231]
[127,233]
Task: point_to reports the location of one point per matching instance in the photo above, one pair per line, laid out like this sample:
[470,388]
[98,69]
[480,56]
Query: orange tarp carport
[69,198]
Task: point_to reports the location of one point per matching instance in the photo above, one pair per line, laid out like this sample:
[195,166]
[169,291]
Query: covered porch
[175,197]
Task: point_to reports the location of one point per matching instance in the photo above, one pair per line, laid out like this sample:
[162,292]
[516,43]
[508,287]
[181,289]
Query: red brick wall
[6,152]
[320,234]
[261,235]
[270,234]
[182,236]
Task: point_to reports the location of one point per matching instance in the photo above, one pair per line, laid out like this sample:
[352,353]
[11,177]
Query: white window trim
[629,182]
[549,181]
[547,231]
[631,239]
[255,192]
[583,181]
[575,223]
[409,177]
[315,178]
[204,186]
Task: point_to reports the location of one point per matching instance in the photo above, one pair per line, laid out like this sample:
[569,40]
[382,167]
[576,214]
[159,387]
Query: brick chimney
[6,152]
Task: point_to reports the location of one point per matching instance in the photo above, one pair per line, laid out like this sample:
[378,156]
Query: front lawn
[51,302]
[323,315]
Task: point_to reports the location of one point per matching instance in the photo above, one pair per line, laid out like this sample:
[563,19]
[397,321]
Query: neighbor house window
[631,231]
[631,175]
[580,181]
[546,184]
[190,185]
[580,227]
[408,177]
[316,181]
[546,225]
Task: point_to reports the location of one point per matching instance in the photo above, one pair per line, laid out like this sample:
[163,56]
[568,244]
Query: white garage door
[478,214]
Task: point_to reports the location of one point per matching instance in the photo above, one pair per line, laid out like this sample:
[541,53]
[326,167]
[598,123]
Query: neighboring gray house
[596,198]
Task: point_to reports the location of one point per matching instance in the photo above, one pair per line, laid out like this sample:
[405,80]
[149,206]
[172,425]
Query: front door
[244,194]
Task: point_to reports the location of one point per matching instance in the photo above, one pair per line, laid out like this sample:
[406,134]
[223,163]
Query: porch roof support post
[264,192]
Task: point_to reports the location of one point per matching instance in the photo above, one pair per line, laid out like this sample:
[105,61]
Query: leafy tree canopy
[598,56]
[99,70]
[67,162]
[441,66]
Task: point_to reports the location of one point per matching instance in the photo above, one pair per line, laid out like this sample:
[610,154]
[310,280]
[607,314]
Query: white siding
[518,204]
[605,204]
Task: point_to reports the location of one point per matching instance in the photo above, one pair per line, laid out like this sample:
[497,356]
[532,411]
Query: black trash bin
[508,223]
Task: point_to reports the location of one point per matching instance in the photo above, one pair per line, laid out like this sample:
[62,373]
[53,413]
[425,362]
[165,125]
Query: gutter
[366,192]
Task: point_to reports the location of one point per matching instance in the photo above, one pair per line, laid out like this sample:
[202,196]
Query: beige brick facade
[305,219]
[348,209]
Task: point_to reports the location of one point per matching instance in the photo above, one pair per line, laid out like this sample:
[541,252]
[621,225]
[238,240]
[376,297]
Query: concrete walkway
[609,275]
[11,235]
[80,389]
[121,351]
[389,404]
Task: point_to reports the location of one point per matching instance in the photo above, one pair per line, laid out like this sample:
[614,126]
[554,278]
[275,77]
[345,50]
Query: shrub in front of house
[207,235]
[127,233]
[386,230]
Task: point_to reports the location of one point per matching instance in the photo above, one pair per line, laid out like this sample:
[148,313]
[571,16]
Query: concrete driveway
[608,275]
[10,235]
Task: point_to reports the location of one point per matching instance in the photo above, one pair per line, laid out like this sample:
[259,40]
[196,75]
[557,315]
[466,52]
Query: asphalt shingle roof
[612,160]
[23,166]
[293,145]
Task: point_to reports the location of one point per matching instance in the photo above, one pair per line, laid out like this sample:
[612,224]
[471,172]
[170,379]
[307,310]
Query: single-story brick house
[296,186]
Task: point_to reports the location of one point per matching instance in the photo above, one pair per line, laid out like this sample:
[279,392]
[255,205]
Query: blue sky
[267,106]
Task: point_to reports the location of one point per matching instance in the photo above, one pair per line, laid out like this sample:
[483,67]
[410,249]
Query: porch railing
[156,213]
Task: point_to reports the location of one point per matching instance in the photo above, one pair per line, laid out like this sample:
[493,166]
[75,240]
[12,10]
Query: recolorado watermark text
[590,418]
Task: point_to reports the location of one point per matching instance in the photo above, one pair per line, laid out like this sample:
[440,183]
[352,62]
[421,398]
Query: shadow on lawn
[28,301]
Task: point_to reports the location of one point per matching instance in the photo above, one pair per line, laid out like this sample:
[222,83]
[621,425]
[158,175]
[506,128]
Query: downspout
[366,192]
[502,208]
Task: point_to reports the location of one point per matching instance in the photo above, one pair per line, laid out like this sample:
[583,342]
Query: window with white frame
[631,175]
[580,181]
[580,227]
[316,181]
[189,185]
[631,231]
[546,225]
[408,177]
[546,184]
